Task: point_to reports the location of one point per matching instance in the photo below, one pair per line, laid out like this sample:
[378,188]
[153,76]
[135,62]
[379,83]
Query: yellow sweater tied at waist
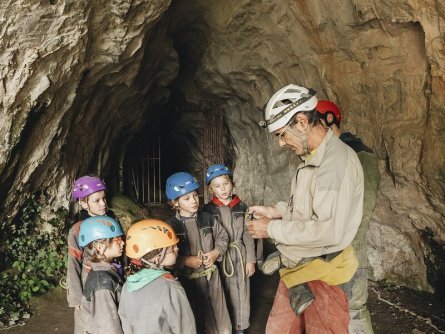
[337,271]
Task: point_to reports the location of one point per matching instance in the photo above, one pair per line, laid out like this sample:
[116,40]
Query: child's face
[222,187]
[95,204]
[188,204]
[170,256]
[115,248]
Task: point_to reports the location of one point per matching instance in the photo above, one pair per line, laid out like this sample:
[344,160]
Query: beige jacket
[326,204]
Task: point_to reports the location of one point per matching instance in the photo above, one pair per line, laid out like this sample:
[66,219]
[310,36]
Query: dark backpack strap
[176,224]
[205,220]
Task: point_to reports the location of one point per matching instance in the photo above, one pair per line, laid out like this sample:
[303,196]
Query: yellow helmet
[148,235]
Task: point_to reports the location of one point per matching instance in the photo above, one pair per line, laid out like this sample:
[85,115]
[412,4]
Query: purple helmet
[87,185]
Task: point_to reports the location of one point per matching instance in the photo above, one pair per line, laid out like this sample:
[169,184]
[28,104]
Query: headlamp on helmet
[285,103]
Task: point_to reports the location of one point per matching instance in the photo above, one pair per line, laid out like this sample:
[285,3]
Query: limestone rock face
[80,79]
[384,66]
[74,82]
[127,211]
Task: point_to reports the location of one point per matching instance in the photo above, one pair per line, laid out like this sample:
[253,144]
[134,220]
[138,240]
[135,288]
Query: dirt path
[51,314]
[411,313]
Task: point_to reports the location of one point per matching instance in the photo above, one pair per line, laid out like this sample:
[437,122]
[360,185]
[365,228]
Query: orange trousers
[328,314]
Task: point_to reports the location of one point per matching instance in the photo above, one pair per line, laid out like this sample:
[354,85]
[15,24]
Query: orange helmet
[148,235]
[324,107]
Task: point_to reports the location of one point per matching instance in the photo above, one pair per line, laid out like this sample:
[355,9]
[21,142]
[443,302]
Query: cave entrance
[201,138]
[183,136]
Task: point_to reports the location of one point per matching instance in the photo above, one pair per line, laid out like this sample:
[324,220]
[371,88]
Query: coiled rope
[228,256]
[62,283]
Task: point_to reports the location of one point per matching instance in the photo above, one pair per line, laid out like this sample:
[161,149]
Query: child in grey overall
[89,193]
[202,240]
[153,301]
[103,237]
[239,261]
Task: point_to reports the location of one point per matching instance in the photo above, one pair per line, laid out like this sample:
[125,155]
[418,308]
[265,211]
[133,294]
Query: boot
[300,298]
[272,264]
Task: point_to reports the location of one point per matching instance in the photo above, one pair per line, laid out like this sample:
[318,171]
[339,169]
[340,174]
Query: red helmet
[324,107]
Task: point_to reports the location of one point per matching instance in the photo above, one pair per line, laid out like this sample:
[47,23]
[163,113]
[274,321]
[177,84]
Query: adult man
[360,319]
[314,229]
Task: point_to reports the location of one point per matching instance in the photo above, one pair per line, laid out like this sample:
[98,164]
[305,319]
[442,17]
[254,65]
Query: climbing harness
[206,272]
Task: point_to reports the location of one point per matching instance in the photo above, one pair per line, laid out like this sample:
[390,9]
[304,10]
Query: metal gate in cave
[216,145]
[146,172]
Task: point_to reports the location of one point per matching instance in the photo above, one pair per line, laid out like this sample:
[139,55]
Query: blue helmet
[98,227]
[215,171]
[180,184]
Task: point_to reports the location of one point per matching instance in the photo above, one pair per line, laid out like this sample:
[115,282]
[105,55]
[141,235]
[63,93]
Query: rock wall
[75,78]
[383,64]
[79,79]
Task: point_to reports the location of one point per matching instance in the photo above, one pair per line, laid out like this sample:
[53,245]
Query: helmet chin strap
[329,123]
[158,265]
[325,118]
[95,250]
[303,137]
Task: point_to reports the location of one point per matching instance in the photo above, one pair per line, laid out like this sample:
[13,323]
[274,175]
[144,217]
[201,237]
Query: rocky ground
[400,310]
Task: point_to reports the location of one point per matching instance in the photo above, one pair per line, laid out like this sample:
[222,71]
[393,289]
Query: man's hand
[193,262]
[264,212]
[258,228]
[210,257]
[259,211]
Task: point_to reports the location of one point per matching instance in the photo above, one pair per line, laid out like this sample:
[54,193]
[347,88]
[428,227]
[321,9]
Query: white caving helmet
[285,103]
